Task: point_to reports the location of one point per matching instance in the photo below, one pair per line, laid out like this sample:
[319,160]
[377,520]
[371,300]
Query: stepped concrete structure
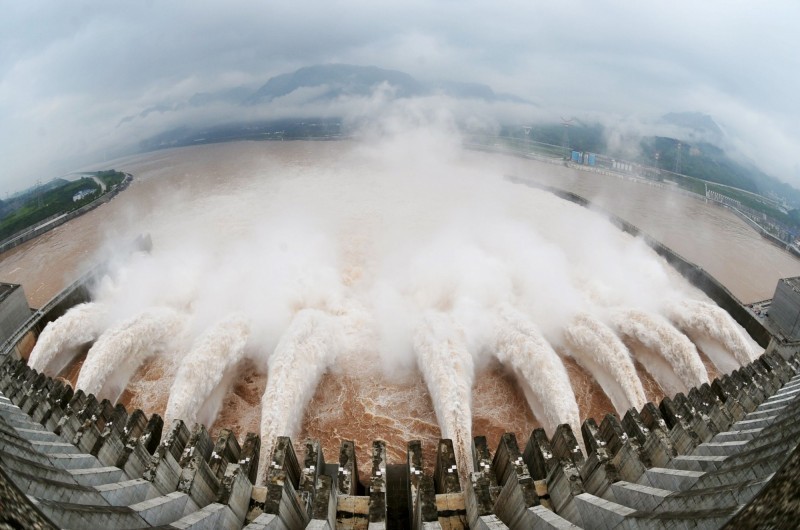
[698,460]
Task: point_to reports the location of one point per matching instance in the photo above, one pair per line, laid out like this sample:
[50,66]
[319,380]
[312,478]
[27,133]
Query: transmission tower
[565,137]
[678,159]
[527,130]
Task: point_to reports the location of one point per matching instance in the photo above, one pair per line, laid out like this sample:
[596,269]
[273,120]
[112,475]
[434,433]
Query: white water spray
[709,320]
[449,373]
[63,338]
[214,354]
[600,351]
[538,369]
[657,334]
[305,350]
[120,351]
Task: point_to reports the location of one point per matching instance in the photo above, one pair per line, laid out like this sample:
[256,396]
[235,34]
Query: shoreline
[59,219]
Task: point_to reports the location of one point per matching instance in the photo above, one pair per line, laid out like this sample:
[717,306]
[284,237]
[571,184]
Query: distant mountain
[328,82]
[338,80]
[697,125]
[231,95]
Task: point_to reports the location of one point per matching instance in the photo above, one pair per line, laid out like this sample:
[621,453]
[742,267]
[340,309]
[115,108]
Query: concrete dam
[700,460]
[721,453]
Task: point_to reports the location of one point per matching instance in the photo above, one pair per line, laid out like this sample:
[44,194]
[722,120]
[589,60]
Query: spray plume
[303,353]
[120,351]
[600,351]
[658,335]
[394,234]
[200,376]
[449,372]
[711,321]
[62,339]
[538,369]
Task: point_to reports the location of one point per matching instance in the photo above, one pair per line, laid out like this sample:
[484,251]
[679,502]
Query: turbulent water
[119,351]
[358,291]
[61,341]
[603,354]
[449,373]
[305,350]
[538,369]
[215,354]
[656,334]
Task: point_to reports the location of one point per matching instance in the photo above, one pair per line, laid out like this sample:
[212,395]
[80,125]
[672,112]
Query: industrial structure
[724,453]
[698,460]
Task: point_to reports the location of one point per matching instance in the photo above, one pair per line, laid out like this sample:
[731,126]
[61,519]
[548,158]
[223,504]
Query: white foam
[62,339]
[603,354]
[538,369]
[213,355]
[119,352]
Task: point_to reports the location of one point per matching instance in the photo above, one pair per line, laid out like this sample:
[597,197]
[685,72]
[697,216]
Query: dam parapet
[694,460]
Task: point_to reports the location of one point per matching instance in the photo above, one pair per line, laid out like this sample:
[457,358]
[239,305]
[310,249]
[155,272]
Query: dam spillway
[696,459]
[448,333]
[691,461]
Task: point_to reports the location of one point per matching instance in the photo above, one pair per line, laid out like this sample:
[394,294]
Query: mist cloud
[69,73]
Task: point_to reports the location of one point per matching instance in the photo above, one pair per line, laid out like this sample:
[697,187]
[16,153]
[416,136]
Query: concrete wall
[785,309]
[14,310]
[17,345]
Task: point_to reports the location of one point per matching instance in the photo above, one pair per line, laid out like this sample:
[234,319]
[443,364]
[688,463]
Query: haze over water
[194,201]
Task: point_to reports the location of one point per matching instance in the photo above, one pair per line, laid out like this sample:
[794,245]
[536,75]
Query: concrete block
[79,517]
[325,503]
[543,519]
[757,423]
[697,463]
[163,469]
[55,447]
[445,471]
[212,517]
[639,497]
[425,510]
[736,436]
[226,451]
[38,435]
[95,476]
[720,448]
[670,479]
[377,489]
[565,446]
[74,461]
[452,510]
[516,496]
[602,513]
[266,521]
[235,491]
[162,510]
[352,511]
[249,456]
[479,497]
[127,492]
[348,470]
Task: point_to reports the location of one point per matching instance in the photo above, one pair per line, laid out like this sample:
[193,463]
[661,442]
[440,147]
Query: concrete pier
[696,459]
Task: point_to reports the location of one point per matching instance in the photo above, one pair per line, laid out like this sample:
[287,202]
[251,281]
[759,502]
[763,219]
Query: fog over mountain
[85,81]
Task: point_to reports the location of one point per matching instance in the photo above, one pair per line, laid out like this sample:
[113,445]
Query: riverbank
[61,218]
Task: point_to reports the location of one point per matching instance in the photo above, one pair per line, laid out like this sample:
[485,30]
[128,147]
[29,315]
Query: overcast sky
[71,71]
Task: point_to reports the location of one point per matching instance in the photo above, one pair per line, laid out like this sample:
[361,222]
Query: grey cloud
[77,70]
